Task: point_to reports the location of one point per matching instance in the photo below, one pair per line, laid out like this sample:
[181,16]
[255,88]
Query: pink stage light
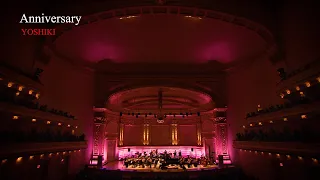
[185,150]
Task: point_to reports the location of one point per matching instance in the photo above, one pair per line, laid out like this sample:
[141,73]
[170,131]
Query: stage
[194,151]
[119,165]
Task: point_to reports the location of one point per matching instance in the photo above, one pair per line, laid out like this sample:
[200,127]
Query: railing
[36,148]
[35,113]
[298,109]
[20,78]
[300,76]
[278,147]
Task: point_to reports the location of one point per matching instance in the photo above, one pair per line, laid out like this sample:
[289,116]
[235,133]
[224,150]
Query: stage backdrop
[160,135]
[187,135]
[133,135]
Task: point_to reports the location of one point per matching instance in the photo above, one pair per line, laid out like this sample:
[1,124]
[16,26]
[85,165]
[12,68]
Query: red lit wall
[65,87]
[133,135]
[187,135]
[70,88]
[256,84]
[248,87]
[300,31]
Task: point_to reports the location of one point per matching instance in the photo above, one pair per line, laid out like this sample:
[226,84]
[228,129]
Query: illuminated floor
[118,165]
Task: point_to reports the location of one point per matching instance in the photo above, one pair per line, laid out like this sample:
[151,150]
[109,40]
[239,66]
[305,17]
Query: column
[221,136]
[121,130]
[199,131]
[146,134]
[99,129]
[174,134]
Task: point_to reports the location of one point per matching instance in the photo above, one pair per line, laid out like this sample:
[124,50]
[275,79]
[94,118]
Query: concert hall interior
[162,89]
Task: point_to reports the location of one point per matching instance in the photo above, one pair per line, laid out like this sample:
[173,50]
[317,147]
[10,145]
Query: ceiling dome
[160,38]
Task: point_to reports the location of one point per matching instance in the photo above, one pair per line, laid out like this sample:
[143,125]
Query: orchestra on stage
[164,160]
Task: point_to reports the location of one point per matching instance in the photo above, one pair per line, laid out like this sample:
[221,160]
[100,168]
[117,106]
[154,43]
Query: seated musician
[189,161]
[163,164]
[126,162]
[156,161]
[181,162]
[143,161]
[149,162]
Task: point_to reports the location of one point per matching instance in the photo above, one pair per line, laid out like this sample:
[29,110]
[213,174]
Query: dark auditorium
[160,90]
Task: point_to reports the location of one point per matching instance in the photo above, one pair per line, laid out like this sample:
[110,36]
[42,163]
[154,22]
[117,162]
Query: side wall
[256,84]
[70,89]
[65,87]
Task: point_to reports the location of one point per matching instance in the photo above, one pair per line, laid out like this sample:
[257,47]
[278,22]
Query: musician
[189,161]
[149,162]
[174,153]
[180,154]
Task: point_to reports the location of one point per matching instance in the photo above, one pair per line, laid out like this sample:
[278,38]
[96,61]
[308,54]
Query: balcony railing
[37,148]
[299,109]
[279,147]
[35,113]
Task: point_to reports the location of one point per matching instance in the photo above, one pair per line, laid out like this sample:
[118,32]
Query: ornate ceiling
[160,37]
[145,100]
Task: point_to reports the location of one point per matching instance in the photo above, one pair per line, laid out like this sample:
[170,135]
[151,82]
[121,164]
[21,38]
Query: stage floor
[118,165]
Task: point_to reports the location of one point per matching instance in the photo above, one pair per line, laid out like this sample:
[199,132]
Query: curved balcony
[279,147]
[37,148]
[271,116]
[20,78]
[300,79]
[35,113]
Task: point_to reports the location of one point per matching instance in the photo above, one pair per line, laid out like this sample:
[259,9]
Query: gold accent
[10,84]
[288,91]
[307,84]
[20,88]
[282,95]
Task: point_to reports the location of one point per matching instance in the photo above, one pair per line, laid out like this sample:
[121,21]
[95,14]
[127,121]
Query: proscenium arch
[260,30]
[215,98]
